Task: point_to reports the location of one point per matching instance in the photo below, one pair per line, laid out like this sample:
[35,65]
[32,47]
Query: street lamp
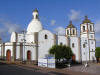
[86,64]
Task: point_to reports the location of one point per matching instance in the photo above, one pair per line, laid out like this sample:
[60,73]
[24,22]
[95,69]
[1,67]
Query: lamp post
[86,64]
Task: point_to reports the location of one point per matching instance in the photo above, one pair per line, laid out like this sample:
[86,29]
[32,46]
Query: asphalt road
[6,69]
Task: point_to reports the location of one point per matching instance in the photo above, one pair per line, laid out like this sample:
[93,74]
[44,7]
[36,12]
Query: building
[35,43]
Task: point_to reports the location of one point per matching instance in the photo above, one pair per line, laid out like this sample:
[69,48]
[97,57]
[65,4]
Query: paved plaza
[92,68]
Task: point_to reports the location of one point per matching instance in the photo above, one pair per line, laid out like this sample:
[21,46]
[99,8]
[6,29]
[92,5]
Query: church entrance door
[8,55]
[28,55]
[73,57]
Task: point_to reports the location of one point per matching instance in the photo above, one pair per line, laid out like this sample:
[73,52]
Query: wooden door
[8,55]
[28,55]
[73,57]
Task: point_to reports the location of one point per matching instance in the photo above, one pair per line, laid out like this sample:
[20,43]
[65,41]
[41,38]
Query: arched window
[36,16]
[92,42]
[83,45]
[73,32]
[92,50]
[83,28]
[61,43]
[90,28]
[46,37]
[67,32]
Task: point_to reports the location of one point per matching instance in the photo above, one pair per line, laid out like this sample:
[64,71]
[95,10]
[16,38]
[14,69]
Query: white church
[35,43]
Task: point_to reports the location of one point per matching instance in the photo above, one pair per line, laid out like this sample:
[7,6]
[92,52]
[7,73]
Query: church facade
[35,43]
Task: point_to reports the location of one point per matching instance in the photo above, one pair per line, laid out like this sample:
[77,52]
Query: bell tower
[88,42]
[71,30]
[35,14]
[87,29]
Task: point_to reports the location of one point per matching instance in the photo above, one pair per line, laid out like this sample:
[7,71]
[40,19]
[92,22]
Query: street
[11,69]
[6,69]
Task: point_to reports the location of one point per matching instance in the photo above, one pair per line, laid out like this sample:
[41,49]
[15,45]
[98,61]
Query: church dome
[86,20]
[35,24]
[70,25]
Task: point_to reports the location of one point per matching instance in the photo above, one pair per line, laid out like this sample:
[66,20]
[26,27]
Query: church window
[90,28]
[73,32]
[92,42]
[46,37]
[36,16]
[67,32]
[73,45]
[91,36]
[60,43]
[83,28]
[83,45]
[84,53]
[92,50]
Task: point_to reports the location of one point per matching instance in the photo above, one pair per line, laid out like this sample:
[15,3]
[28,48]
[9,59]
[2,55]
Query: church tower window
[46,37]
[90,28]
[36,16]
[83,28]
[92,50]
[83,45]
[67,32]
[73,32]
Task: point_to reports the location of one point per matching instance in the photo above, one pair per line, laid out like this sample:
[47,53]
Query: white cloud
[7,27]
[74,15]
[60,31]
[97,32]
[97,27]
[53,22]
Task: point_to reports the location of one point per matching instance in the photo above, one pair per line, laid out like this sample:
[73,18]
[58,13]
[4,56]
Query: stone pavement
[92,68]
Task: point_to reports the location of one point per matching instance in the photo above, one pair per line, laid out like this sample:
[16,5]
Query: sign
[42,62]
[51,63]
[48,61]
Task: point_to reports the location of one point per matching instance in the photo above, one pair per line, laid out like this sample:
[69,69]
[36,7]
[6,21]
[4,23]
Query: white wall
[76,48]
[32,48]
[30,38]
[9,46]
[62,39]
[13,37]
[85,51]
[92,49]
[44,44]
[20,37]
[17,50]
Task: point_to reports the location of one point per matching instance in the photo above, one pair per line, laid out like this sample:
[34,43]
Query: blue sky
[15,15]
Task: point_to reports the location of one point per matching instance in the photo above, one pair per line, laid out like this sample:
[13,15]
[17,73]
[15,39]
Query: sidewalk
[50,71]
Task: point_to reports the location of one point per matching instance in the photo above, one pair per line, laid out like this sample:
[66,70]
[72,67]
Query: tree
[97,54]
[61,52]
